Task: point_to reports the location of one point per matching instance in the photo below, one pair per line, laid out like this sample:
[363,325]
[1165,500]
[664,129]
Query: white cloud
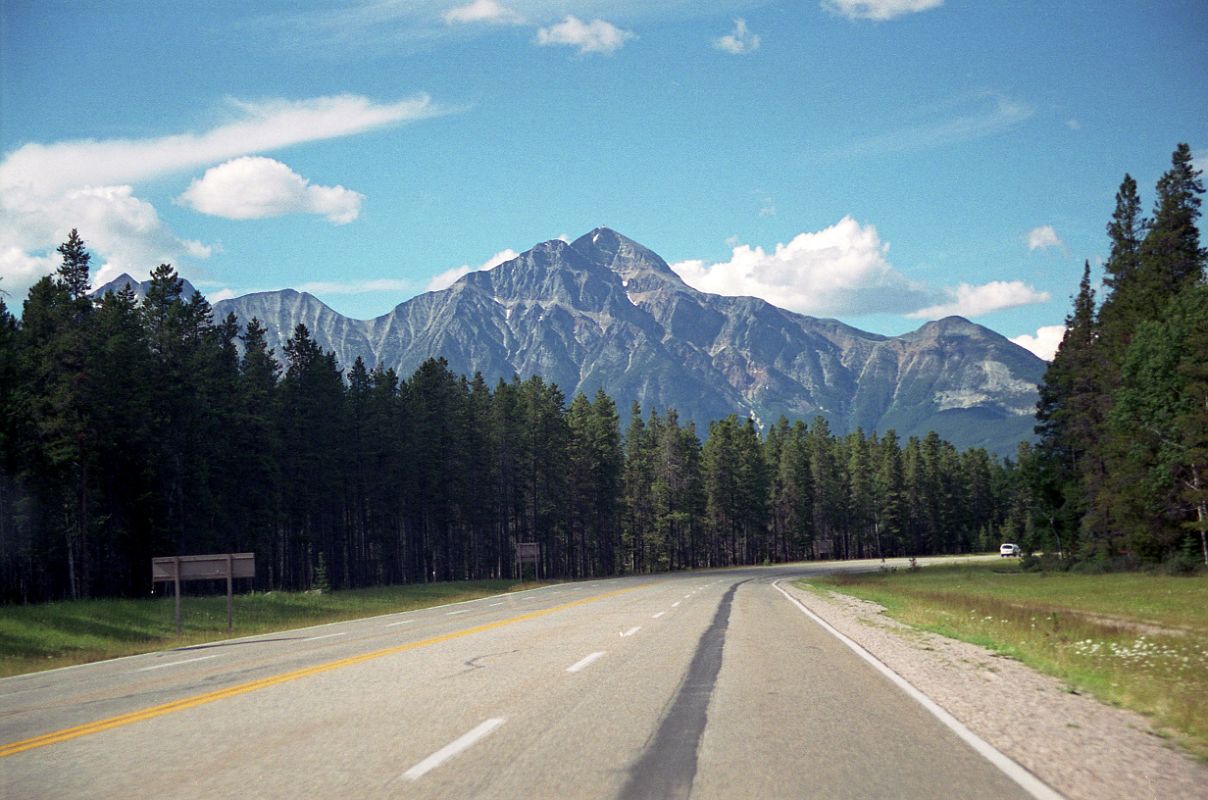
[46,189]
[490,11]
[1043,237]
[879,10]
[124,233]
[973,301]
[264,125]
[1073,124]
[20,270]
[596,36]
[842,269]
[447,278]
[255,187]
[740,41]
[1044,343]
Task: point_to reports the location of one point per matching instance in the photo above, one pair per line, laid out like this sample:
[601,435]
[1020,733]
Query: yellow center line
[66,734]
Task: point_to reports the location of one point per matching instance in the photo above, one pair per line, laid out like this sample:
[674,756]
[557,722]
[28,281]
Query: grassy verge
[39,637]
[1136,641]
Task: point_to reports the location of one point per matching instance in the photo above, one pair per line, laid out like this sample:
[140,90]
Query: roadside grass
[51,635]
[1132,640]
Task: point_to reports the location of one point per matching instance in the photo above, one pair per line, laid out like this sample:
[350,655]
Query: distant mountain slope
[606,312]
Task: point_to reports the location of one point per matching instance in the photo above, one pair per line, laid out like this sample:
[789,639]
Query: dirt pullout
[1077,745]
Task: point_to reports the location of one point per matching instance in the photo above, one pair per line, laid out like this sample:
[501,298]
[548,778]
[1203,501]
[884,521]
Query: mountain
[139,287]
[605,312]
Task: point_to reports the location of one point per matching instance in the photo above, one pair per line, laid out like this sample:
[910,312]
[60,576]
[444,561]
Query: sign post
[528,553]
[204,568]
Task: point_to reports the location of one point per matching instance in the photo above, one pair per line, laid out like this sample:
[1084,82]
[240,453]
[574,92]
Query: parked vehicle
[1008,550]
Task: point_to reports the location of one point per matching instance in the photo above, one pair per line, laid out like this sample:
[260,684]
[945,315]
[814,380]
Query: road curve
[710,684]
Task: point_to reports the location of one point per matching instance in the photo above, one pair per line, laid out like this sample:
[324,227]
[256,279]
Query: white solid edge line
[1013,770]
[178,663]
[452,748]
[585,662]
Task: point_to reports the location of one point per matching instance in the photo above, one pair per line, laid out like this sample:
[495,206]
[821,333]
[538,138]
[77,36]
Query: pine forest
[133,429]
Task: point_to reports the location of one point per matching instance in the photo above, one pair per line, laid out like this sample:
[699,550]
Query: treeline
[1120,471]
[139,429]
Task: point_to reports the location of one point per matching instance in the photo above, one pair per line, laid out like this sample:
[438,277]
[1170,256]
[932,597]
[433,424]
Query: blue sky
[879,161]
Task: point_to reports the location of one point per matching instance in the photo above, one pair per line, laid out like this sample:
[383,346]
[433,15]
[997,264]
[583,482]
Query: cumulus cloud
[740,41]
[1044,237]
[489,11]
[973,301]
[255,187]
[879,10]
[1044,344]
[46,189]
[447,278]
[842,269]
[596,36]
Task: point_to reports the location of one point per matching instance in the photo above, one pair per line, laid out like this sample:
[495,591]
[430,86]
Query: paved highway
[705,685]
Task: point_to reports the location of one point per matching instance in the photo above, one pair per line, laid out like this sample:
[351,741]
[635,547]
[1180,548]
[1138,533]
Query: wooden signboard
[204,568]
[528,553]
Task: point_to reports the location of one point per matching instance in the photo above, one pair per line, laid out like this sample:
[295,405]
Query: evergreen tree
[889,491]
[1159,414]
[638,479]
[861,512]
[121,389]
[256,488]
[1171,257]
[1070,412]
[14,542]
[73,271]
[827,490]
[55,408]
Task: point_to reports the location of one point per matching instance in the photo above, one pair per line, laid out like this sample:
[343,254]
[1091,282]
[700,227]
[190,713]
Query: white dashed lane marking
[458,745]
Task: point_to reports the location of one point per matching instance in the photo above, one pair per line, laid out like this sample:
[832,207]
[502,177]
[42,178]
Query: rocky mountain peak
[640,268]
[605,312]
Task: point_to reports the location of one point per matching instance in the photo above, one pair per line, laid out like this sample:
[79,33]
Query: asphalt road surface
[705,685]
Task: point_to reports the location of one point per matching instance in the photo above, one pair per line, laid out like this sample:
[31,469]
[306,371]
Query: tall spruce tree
[1070,415]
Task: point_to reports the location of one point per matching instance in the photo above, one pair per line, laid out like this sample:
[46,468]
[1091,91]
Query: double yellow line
[66,734]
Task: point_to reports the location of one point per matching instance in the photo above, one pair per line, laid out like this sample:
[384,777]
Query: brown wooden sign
[204,568]
[528,553]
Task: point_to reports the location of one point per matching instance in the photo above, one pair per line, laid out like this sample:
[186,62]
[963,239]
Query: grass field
[38,637]
[1134,640]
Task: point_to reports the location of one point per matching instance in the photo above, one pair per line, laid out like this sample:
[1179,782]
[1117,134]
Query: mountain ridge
[604,311]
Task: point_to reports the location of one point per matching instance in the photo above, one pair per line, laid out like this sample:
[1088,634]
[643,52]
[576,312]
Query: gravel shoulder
[1077,745]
